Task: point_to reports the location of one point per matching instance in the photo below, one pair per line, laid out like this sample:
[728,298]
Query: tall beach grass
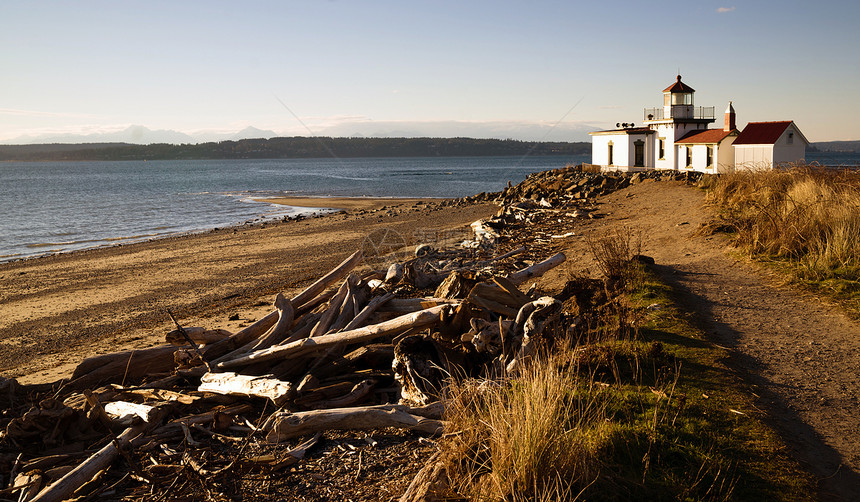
[807,216]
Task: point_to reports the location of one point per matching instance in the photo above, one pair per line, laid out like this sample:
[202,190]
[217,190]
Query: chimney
[730,119]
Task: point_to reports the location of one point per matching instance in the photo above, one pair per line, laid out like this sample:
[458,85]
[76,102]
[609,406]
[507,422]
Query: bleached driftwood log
[430,484]
[200,336]
[281,426]
[124,410]
[370,308]
[286,316]
[536,270]
[358,393]
[128,365]
[421,318]
[231,384]
[530,323]
[332,311]
[64,487]
[415,304]
[325,281]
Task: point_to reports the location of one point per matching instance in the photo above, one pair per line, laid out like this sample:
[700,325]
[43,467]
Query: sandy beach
[56,310]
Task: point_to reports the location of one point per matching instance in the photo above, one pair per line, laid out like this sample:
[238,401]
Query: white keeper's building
[676,136]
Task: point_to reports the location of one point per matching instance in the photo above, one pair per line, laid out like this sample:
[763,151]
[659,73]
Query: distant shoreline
[294,148]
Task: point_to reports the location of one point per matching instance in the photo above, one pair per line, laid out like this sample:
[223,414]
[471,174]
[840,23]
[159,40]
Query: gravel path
[800,356]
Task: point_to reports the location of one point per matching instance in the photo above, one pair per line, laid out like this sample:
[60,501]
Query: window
[790,138]
[610,153]
[661,146]
[689,156]
[710,159]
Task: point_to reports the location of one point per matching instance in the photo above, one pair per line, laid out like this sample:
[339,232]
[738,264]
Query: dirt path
[801,357]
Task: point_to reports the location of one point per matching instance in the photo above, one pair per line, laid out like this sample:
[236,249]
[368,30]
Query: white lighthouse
[676,136]
[678,117]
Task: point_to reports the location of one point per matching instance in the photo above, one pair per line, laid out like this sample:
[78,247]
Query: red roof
[706,136]
[762,133]
[679,86]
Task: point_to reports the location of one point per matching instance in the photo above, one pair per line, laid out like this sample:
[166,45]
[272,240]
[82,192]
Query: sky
[528,70]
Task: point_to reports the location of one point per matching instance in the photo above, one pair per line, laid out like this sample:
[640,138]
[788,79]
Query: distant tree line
[835,146]
[294,147]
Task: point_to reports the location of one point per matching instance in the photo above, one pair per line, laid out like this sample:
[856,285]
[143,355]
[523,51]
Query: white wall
[600,149]
[667,132]
[783,152]
[725,155]
[753,157]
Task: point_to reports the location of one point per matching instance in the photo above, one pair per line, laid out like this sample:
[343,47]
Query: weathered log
[484,234]
[125,365]
[352,306]
[456,285]
[275,332]
[333,309]
[28,483]
[231,384]
[286,316]
[531,321]
[201,418]
[357,394]
[511,289]
[403,305]
[315,395]
[64,487]
[218,350]
[281,426]
[422,318]
[372,355]
[292,457]
[126,411]
[201,336]
[370,308]
[394,273]
[536,270]
[515,252]
[419,370]
[430,484]
[325,281]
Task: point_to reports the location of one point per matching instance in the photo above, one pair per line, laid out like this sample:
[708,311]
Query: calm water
[48,207]
[51,207]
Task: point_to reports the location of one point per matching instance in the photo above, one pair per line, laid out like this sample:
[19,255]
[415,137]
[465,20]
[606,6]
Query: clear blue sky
[492,68]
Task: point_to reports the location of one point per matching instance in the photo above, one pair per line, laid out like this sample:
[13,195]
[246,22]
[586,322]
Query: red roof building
[676,136]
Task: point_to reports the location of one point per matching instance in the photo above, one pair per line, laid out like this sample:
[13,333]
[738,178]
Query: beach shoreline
[57,309]
[302,207]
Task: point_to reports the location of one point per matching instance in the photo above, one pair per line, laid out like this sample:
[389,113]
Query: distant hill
[835,146]
[141,135]
[293,147]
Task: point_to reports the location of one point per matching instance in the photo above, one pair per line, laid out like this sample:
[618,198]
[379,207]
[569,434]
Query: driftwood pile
[351,351]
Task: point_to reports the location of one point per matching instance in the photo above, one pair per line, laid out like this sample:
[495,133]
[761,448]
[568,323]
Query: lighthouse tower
[677,117]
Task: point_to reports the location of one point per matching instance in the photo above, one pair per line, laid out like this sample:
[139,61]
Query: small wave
[38,245]
[130,237]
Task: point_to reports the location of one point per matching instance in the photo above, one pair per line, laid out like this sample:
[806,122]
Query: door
[639,153]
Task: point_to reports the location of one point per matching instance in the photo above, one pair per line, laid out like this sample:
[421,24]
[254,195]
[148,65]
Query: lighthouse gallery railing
[680,112]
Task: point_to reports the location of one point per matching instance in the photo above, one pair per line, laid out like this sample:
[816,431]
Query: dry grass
[809,216]
[602,413]
[534,438]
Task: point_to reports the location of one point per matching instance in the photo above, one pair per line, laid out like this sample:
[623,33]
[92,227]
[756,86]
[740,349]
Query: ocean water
[50,207]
